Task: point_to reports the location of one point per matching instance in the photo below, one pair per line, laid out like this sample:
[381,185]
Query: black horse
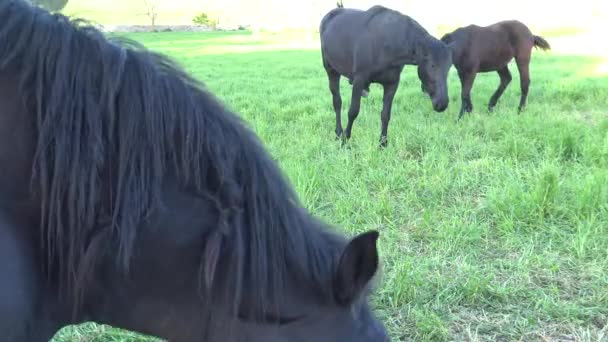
[478,49]
[130,196]
[373,46]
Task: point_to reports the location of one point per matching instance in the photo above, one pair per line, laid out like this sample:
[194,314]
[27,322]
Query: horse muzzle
[440,105]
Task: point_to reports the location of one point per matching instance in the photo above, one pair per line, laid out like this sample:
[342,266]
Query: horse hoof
[383,142]
[344,140]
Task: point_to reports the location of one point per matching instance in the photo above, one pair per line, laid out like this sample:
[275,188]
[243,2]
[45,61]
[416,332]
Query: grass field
[494,228]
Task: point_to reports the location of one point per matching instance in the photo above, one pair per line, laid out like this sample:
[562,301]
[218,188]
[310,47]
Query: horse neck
[417,40]
[423,45]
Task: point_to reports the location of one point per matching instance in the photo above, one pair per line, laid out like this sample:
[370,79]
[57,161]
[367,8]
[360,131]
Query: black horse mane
[446,38]
[113,120]
[376,10]
[425,40]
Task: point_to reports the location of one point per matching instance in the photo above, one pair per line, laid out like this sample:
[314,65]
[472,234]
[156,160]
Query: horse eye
[272,319]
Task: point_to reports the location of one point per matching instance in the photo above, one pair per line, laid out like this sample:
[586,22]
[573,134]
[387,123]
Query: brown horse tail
[540,42]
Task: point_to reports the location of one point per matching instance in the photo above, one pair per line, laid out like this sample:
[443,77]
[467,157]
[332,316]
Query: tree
[50,5]
[151,11]
[203,19]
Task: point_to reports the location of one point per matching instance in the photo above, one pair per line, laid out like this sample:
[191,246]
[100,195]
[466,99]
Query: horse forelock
[112,121]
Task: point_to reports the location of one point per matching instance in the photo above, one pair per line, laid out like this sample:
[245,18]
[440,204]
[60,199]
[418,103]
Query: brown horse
[483,49]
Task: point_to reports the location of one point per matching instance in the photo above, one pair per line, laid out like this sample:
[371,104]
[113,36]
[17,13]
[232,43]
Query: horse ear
[357,266]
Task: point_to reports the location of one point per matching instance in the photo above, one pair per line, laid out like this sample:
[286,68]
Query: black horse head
[433,67]
[137,200]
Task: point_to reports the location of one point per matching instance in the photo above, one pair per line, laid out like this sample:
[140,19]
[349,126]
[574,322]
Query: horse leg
[21,292]
[355,105]
[387,103]
[505,79]
[334,88]
[523,65]
[365,90]
[466,80]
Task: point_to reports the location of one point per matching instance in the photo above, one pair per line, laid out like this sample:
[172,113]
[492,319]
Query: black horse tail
[340,4]
[540,42]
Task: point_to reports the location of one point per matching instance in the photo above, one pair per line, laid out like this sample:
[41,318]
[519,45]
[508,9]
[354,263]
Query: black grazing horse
[129,196]
[483,49]
[373,46]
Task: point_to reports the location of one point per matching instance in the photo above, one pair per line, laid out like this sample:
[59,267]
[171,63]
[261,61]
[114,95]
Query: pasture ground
[492,228]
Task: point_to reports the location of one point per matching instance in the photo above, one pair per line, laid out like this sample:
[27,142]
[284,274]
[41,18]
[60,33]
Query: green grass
[494,228]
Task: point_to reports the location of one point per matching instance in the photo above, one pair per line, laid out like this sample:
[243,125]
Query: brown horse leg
[466,80]
[523,65]
[355,105]
[387,100]
[505,79]
[334,88]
